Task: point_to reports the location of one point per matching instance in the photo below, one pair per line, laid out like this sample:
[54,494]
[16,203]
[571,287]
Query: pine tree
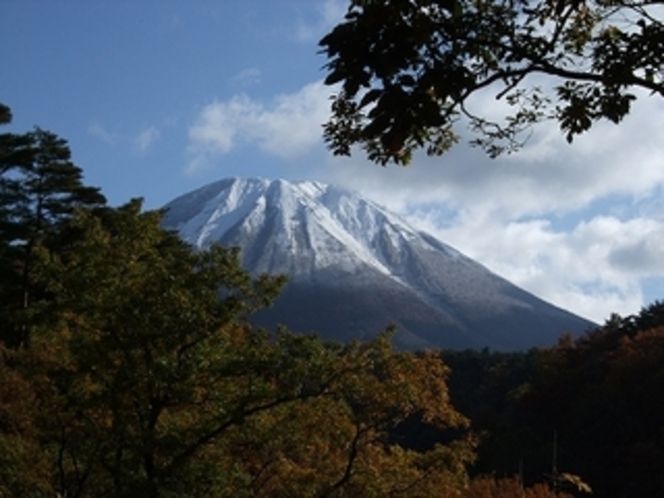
[40,188]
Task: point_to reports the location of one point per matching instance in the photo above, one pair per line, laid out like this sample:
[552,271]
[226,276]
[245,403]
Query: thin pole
[554,463]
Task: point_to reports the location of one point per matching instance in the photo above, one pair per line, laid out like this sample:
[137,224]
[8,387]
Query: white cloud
[547,177]
[247,77]
[641,255]
[146,138]
[593,269]
[328,14]
[139,142]
[219,123]
[98,131]
[610,159]
[289,126]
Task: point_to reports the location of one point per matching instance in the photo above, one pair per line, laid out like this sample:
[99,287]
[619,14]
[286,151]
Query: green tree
[144,376]
[23,464]
[149,381]
[409,70]
[135,354]
[39,190]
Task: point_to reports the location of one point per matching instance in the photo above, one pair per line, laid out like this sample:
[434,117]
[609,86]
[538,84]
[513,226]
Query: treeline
[129,367]
[591,407]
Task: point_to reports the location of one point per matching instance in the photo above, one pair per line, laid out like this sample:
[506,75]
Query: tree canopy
[143,375]
[408,70]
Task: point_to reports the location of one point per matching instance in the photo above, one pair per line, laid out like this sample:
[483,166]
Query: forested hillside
[129,367]
[598,398]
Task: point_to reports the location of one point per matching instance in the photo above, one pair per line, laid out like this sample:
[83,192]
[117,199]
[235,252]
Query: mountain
[355,268]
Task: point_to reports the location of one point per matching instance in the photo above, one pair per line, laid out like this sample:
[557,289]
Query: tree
[598,394]
[23,464]
[409,69]
[143,375]
[5,114]
[490,487]
[130,350]
[40,188]
[146,379]
[338,443]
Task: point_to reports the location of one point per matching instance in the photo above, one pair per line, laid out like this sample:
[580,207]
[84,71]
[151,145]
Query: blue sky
[157,98]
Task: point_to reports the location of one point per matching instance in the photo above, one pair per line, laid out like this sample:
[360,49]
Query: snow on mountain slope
[317,225]
[335,242]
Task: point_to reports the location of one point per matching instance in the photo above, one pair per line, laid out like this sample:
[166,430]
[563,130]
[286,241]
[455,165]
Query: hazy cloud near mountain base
[593,268]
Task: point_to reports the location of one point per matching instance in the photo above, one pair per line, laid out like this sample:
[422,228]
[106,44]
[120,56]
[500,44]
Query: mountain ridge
[346,253]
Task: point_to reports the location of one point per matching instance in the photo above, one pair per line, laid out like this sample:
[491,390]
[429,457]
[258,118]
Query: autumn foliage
[143,378]
[129,367]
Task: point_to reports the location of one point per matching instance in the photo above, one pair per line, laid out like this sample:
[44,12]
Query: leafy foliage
[408,70]
[602,393]
[144,377]
[490,487]
[150,382]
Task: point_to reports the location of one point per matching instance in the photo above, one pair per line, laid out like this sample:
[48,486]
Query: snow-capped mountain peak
[354,267]
[327,225]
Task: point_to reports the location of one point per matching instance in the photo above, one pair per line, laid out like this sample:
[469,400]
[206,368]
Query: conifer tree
[40,188]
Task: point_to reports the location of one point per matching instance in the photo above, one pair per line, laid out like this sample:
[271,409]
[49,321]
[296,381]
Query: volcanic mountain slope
[355,268]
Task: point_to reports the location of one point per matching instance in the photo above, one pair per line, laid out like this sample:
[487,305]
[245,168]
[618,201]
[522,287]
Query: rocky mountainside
[355,268]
